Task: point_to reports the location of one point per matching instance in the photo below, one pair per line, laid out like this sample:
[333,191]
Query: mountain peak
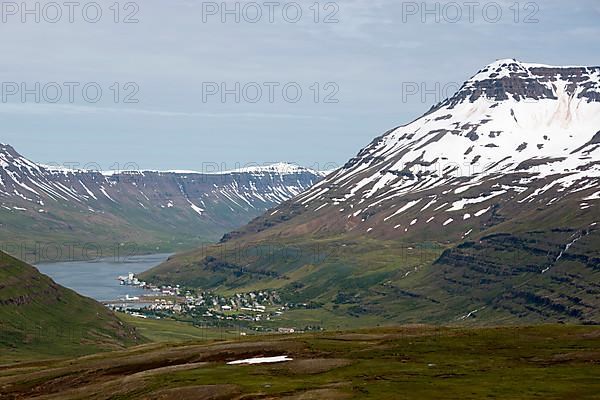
[501,68]
[510,67]
[534,126]
[280,168]
[509,79]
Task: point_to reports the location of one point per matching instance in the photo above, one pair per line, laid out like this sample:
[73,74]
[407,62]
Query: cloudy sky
[185,84]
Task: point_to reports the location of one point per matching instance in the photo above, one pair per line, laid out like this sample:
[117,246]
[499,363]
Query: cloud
[68,109]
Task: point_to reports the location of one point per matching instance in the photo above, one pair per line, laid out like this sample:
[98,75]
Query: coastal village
[257,310]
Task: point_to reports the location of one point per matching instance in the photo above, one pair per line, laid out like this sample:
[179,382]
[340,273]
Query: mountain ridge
[157,211]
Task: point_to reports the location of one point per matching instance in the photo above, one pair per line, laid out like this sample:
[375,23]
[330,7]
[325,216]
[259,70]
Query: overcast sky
[356,62]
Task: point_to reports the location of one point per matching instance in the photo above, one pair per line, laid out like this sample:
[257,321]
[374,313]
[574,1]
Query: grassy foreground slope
[40,318]
[412,362]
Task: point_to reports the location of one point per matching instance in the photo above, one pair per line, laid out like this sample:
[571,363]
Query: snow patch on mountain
[23,181]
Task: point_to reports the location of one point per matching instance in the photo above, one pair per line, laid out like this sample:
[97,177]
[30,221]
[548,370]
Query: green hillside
[42,319]
[540,267]
[410,362]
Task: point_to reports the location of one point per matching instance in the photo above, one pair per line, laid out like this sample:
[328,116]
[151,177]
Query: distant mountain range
[89,212]
[485,208]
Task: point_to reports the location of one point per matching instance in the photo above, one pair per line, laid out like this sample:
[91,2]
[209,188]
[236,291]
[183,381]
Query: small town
[256,311]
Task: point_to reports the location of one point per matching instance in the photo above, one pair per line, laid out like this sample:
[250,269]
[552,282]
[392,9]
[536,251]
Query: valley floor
[410,362]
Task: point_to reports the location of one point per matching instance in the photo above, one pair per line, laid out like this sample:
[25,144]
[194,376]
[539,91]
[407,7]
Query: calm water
[98,279]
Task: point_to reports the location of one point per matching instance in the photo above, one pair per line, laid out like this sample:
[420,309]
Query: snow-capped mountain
[524,134]
[255,187]
[280,168]
[41,202]
[485,208]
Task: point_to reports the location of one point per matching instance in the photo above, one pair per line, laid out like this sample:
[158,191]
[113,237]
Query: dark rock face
[530,273]
[516,81]
[522,147]
[595,139]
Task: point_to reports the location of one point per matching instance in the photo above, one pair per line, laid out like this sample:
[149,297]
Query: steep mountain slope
[37,316]
[153,210]
[487,202]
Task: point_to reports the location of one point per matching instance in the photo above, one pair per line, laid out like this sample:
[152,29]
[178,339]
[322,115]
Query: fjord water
[98,278]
